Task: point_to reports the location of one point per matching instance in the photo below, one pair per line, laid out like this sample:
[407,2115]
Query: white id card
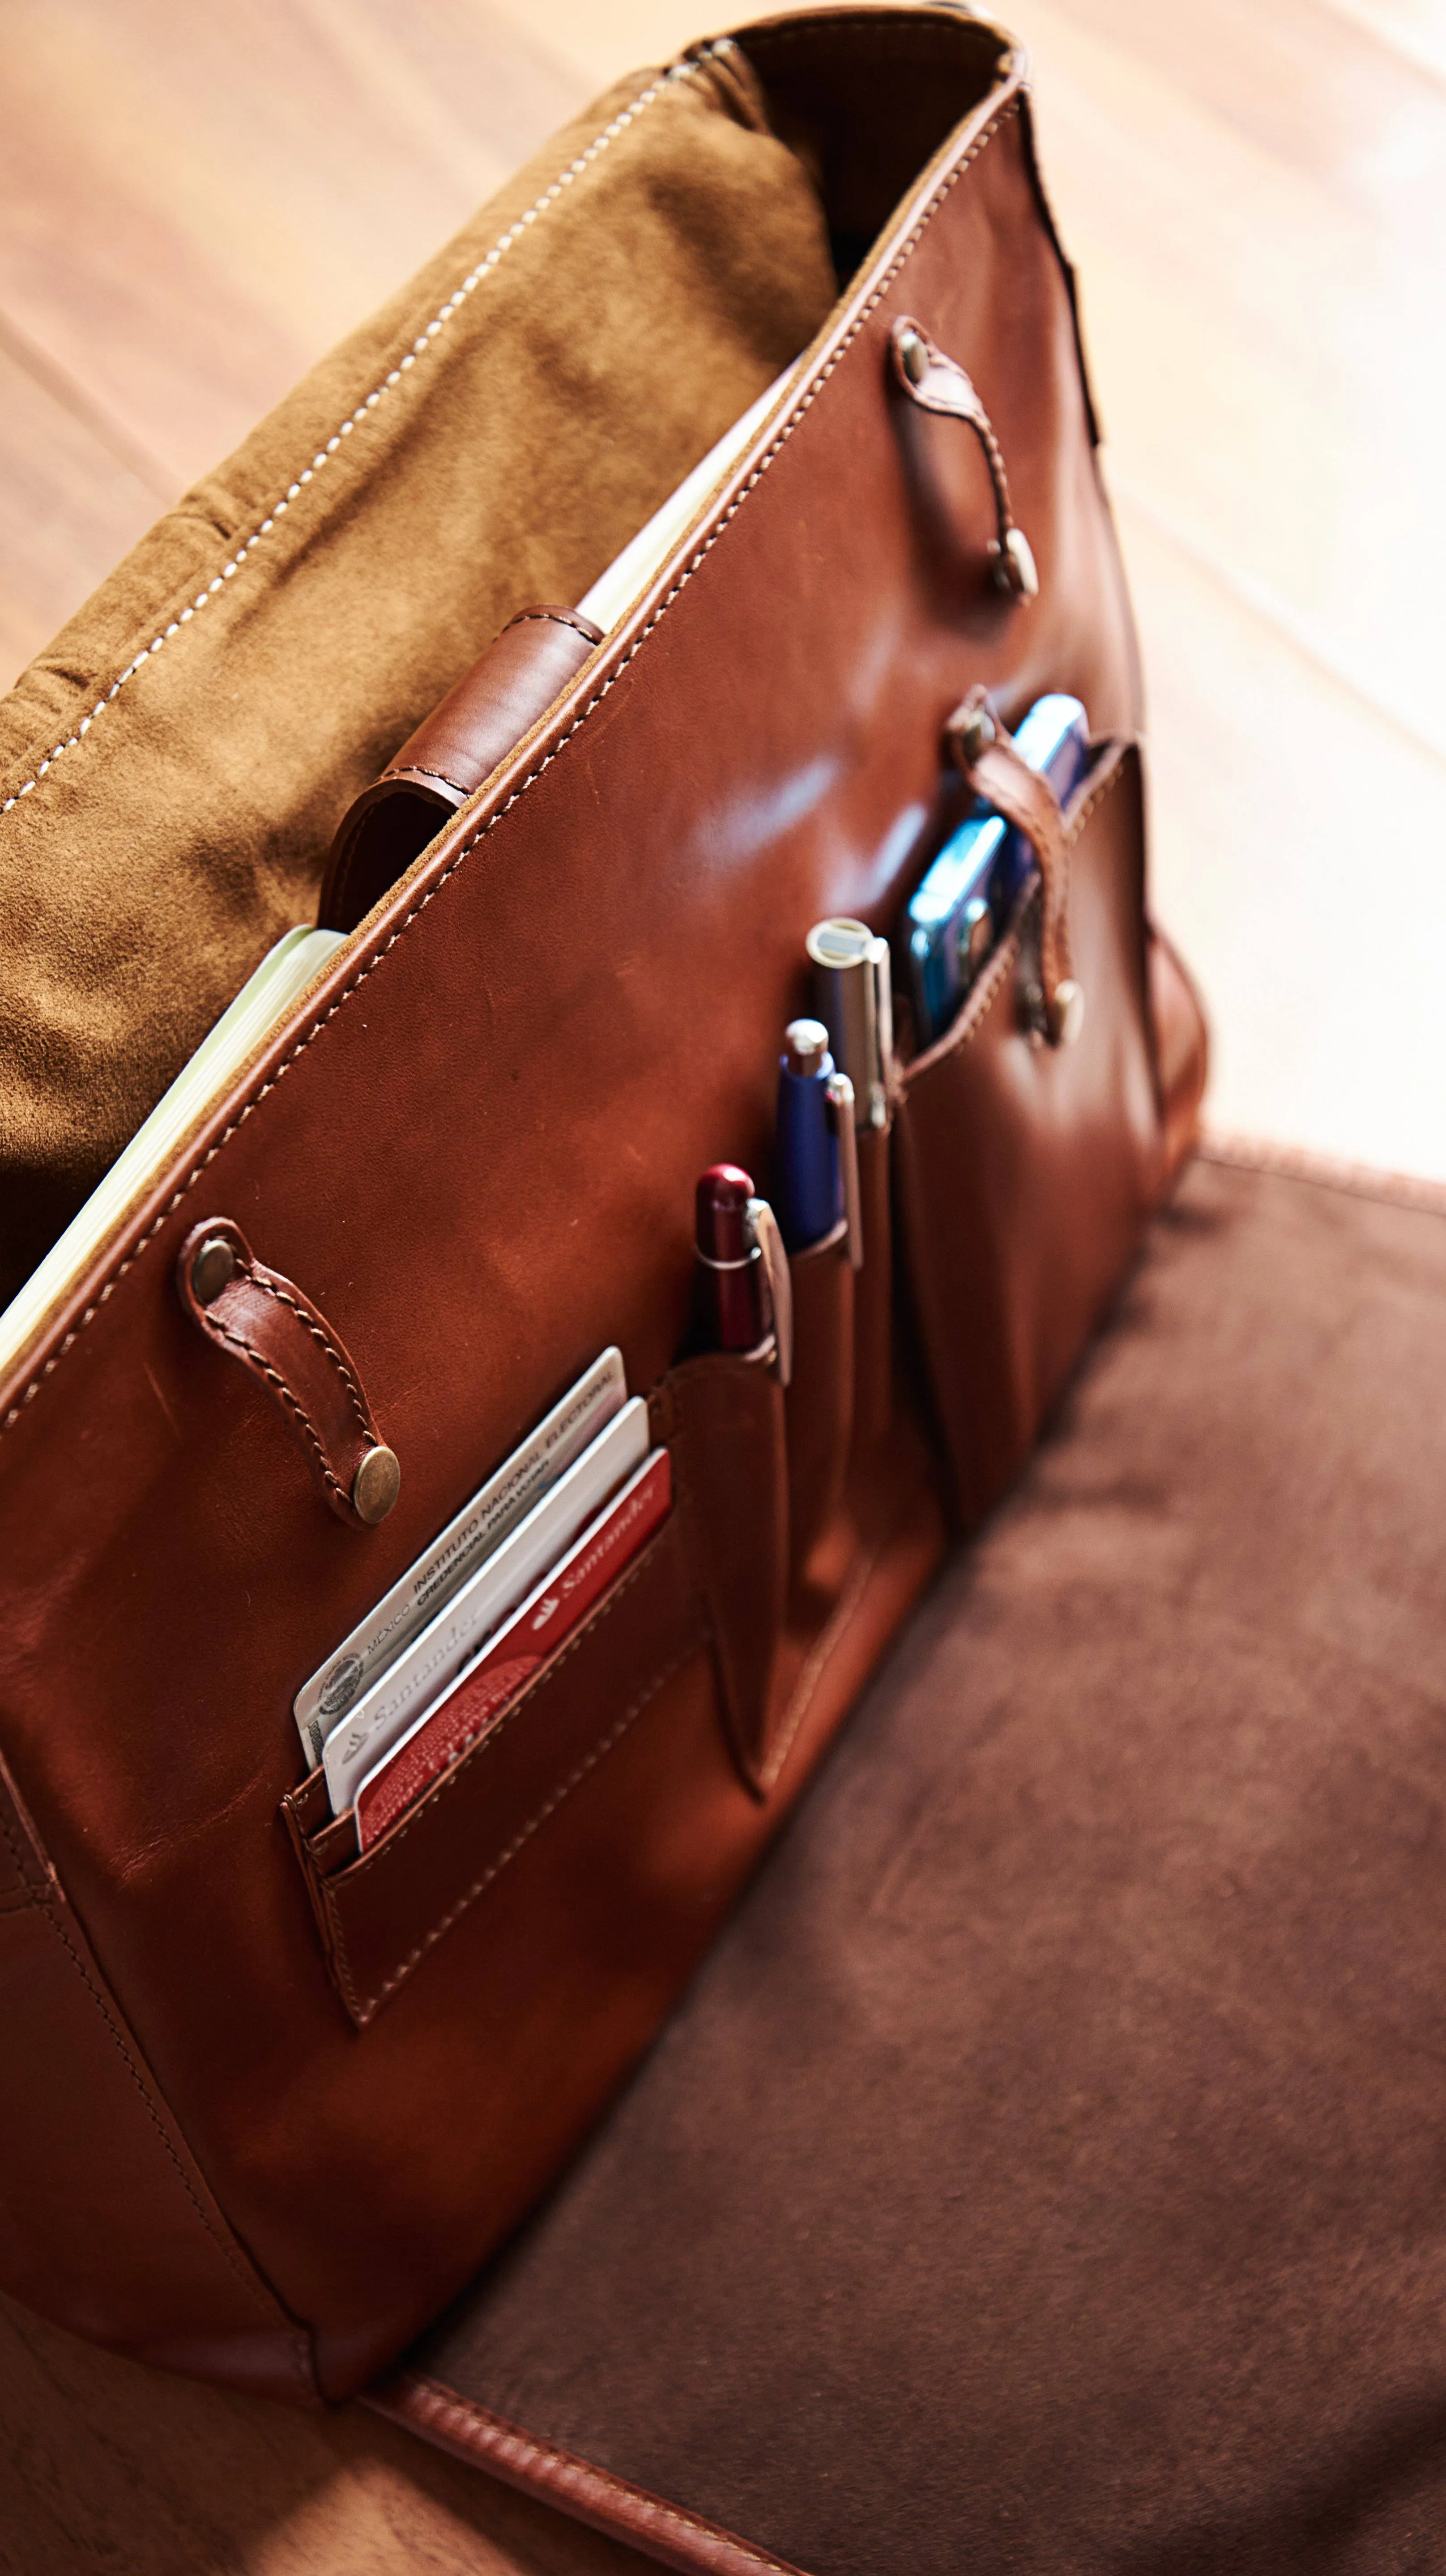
[422,1672]
[442,1569]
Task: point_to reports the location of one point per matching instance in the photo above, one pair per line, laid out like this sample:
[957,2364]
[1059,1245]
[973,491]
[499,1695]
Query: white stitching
[277,509]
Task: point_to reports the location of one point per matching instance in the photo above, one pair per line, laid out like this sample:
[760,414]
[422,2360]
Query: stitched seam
[47,1905]
[421,346]
[446,2401]
[844,1613]
[418,769]
[1239,1153]
[288,1395]
[1010,110]
[271,1288]
[363,2012]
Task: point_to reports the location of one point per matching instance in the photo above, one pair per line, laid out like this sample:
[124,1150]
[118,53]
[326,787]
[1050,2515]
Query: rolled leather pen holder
[462,741]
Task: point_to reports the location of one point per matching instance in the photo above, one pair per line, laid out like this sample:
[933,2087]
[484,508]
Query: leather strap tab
[262,1320]
[985,752]
[445,761]
[936,382]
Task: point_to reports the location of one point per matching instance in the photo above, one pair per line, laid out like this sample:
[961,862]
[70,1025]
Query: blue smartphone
[956,912]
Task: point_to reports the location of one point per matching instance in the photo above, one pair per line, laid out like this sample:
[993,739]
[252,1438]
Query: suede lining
[1048,2169]
[173,767]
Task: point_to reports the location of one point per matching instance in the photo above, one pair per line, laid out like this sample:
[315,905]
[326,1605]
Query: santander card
[442,1569]
[545,1620]
[490,1595]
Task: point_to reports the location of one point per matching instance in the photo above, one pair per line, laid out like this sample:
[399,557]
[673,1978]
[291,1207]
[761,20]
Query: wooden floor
[195,202]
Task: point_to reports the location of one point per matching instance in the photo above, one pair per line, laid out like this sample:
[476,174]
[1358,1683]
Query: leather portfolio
[980,2175]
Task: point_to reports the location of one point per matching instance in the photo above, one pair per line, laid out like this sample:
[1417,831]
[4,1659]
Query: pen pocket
[546,1813]
[873,1407]
[1023,1170]
[819,1404]
[721,1416]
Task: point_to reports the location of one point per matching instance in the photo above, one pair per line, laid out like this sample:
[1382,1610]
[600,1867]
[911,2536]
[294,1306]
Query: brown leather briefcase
[270,2104]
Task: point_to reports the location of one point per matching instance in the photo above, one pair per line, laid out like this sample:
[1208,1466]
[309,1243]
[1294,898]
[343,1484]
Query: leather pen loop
[263,1322]
[939,384]
[985,752]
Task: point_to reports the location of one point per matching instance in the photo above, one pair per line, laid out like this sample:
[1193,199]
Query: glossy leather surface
[478,1151]
[442,763]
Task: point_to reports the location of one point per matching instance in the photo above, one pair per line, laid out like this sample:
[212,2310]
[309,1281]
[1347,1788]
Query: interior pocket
[381,1914]
[1024,1171]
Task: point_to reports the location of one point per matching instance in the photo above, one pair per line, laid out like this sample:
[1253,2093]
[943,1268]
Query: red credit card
[510,1658]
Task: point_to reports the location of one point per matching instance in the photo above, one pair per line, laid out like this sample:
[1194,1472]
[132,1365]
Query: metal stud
[1015,569]
[914,357]
[213,1267]
[1066,1016]
[972,732]
[376,1485]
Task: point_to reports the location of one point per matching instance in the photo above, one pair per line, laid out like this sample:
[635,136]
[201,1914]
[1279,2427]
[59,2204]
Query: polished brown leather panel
[478,1150]
[506,692]
[270,1328]
[1025,1171]
[105,2217]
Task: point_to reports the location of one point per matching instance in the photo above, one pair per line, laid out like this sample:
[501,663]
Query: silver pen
[854,997]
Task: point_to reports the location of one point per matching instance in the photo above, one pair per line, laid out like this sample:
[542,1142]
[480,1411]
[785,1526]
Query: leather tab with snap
[264,1322]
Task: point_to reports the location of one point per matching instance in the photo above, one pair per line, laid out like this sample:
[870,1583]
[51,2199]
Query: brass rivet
[973,733]
[1066,1017]
[213,1268]
[376,1485]
[1015,569]
[914,356]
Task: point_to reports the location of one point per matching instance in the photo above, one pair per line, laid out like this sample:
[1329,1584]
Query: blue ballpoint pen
[817,1150]
[810,1182]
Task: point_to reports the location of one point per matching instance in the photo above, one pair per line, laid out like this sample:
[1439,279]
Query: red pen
[729,1264]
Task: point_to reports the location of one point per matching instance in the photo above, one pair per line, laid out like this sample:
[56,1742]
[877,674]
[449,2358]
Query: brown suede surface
[1048,2171]
[636,286]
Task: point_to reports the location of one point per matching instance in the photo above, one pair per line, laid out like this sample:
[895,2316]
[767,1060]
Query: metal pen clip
[840,1095]
[761,1227]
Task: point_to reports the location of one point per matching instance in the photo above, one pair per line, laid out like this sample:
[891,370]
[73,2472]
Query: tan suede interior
[172,769]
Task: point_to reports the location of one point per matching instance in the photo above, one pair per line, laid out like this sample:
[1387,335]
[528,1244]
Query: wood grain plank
[193,210]
[106,2466]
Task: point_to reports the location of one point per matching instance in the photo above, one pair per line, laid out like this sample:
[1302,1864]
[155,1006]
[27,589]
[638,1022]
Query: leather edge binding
[678,2539]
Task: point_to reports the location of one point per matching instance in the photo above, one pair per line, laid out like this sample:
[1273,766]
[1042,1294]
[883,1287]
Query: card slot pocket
[1024,1172]
[721,1415]
[380,1914]
[819,1402]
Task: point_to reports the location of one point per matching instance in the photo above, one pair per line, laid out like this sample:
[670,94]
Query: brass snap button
[376,1485]
[213,1267]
